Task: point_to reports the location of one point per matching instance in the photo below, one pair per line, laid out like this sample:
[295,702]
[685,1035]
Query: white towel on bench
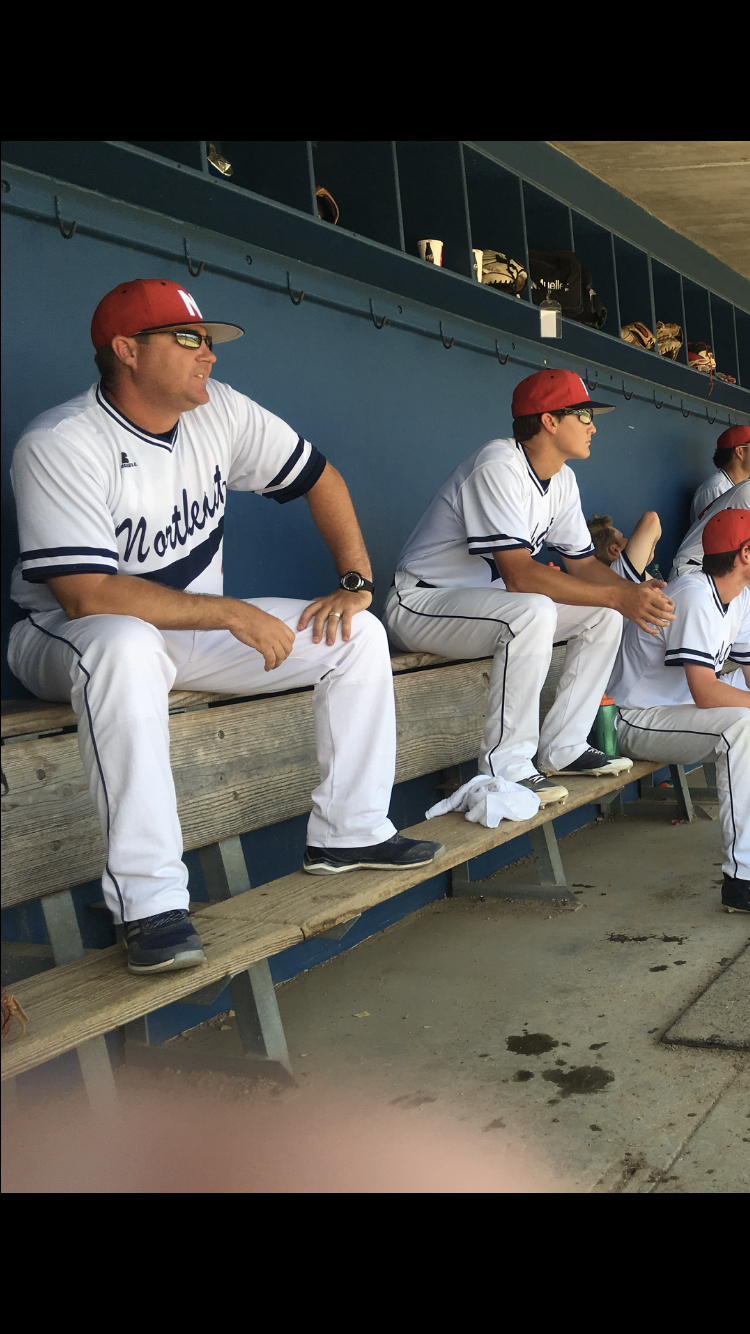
[488,800]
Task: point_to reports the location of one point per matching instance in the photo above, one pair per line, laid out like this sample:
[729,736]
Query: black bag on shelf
[560,275]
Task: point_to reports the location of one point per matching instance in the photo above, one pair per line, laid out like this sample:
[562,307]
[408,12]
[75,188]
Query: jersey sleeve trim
[497,542]
[573,555]
[680,657]
[297,480]
[630,570]
[47,562]
[740,653]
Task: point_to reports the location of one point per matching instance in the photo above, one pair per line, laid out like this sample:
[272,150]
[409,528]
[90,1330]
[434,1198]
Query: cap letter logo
[190,305]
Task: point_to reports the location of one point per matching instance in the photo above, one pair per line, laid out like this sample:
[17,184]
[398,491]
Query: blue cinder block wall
[395,412]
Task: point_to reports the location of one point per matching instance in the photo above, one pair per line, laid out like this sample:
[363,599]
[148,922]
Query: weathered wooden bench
[239,765]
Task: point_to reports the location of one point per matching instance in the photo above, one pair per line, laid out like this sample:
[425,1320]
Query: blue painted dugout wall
[392,410]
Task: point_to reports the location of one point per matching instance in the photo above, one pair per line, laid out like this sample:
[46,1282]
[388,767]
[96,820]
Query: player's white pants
[518,630]
[117,671]
[684,734]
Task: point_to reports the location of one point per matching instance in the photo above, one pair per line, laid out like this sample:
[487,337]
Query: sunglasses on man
[586,415]
[186,337]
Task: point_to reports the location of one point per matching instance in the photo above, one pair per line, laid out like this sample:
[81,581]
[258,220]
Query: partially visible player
[467,586]
[672,704]
[690,553]
[626,556]
[732,463]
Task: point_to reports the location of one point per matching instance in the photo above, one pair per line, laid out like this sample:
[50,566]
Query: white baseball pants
[117,672]
[518,630]
[684,734]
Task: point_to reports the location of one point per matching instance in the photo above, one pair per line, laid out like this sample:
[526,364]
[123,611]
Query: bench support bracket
[549,868]
[93,1057]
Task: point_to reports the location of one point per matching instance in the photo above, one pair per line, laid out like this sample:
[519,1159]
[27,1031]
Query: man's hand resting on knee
[170,609]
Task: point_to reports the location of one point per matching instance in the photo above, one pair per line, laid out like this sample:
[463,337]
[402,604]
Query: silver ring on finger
[334,613]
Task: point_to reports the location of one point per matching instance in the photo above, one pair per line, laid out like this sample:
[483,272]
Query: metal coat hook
[684,413]
[295,299]
[65,232]
[710,420]
[449,345]
[194,273]
[378,323]
[500,359]
[627,396]
[658,405]
[591,387]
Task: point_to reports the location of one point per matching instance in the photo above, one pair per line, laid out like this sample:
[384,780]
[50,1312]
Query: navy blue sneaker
[735,894]
[395,854]
[164,942]
[595,764]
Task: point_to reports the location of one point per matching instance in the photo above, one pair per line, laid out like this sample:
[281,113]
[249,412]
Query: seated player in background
[690,553]
[674,707]
[732,463]
[626,556]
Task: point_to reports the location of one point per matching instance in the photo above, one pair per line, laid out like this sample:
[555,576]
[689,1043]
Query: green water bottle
[605,730]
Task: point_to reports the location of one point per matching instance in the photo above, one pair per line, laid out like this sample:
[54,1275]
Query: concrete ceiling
[701,188]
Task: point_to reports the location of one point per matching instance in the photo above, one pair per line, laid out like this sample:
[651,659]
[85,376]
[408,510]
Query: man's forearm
[332,509]
[711,693]
[565,588]
[127,595]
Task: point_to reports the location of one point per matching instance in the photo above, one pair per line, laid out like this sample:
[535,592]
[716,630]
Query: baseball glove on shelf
[12,1010]
[639,334]
[669,338]
[701,357]
[503,273]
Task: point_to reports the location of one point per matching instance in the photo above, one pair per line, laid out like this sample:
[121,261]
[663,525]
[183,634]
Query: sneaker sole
[549,799]
[189,959]
[602,772]
[323,869]
[730,909]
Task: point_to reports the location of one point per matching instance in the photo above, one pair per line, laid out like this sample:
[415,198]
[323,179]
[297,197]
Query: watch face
[352,582]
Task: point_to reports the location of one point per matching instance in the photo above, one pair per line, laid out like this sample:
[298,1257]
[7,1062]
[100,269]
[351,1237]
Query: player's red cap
[551,391]
[147,304]
[734,436]
[726,531]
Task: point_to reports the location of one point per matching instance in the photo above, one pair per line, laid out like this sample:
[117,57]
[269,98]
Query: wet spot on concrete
[677,962]
[495,1125]
[653,1030]
[581,1079]
[674,940]
[559,1061]
[521,1076]
[725,960]
[567,1044]
[594,1127]
[412,1099]
[531,1044]
[596,1045]
[660,968]
[619,939]
[552,1102]
[578,884]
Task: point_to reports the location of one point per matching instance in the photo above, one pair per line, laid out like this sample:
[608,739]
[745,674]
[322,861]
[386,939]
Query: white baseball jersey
[691,550]
[97,494]
[650,669]
[494,501]
[714,486]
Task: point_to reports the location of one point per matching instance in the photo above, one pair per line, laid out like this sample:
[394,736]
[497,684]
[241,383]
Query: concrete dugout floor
[421,1017]
[413,1033]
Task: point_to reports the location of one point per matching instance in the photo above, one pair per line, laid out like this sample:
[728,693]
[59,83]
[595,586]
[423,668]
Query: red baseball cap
[726,531]
[551,391]
[146,305]
[734,436]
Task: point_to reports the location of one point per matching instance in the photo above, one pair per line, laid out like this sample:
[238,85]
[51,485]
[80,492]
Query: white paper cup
[431,251]
[478,259]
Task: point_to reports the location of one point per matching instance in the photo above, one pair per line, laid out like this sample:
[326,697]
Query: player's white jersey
[494,501]
[714,486]
[650,669]
[626,569]
[690,552]
[97,494]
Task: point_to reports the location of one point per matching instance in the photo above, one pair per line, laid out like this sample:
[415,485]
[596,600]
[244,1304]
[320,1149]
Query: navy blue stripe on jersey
[678,657]
[723,607]
[573,555]
[631,572]
[287,468]
[182,572]
[165,441]
[39,574]
[69,551]
[541,486]
[740,655]
[497,542]
[303,482]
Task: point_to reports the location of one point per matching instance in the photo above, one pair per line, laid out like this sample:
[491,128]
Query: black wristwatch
[353,582]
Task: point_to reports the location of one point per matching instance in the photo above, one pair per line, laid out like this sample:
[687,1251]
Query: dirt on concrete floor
[479,1045]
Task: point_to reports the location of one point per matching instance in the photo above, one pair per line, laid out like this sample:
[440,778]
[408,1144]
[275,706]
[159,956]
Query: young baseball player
[121,496]
[467,586]
[690,552]
[732,463]
[672,704]
[626,556]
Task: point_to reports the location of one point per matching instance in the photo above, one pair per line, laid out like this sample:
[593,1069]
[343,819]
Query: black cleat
[595,764]
[162,943]
[395,854]
[735,894]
